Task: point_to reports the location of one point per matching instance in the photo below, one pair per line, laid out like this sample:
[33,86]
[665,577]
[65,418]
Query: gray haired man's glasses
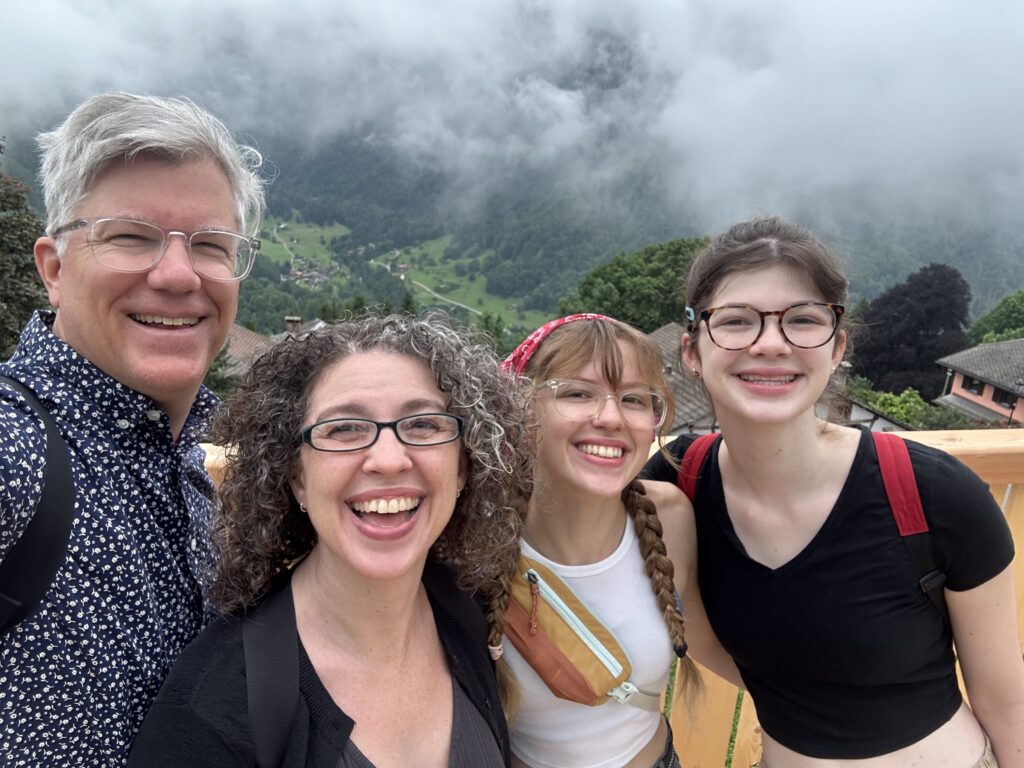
[128,245]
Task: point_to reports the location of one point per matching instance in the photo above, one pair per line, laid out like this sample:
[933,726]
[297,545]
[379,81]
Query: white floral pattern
[77,676]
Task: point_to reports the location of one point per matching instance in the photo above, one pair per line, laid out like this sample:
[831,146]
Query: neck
[337,608]
[776,456]
[574,528]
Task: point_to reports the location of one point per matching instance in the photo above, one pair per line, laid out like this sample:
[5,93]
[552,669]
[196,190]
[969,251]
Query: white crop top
[549,732]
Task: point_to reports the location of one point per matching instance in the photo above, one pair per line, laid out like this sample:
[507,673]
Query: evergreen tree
[357,305]
[910,326]
[408,304]
[21,291]
[494,328]
[221,383]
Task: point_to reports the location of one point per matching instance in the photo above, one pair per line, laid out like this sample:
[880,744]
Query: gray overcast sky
[740,104]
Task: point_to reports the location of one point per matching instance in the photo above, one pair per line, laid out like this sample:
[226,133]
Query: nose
[387,456]
[173,270]
[771,341]
[608,413]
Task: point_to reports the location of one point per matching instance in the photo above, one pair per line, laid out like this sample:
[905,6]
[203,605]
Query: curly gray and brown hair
[260,530]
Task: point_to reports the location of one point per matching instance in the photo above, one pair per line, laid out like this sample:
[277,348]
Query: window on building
[1004,398]
[973,385]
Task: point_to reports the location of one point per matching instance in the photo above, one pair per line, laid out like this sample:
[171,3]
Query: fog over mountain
[877,123]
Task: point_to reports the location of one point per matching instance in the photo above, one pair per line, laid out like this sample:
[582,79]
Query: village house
[987,381]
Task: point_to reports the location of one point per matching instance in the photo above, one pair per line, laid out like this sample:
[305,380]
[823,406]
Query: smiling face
[599,456]
[771,381]
[158,331]
[377,511]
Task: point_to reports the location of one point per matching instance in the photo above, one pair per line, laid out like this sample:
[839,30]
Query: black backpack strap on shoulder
[905,502]
[30,566]
[270,641]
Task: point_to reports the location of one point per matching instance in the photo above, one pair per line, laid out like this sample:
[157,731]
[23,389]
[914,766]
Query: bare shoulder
[667,497]
[675,513]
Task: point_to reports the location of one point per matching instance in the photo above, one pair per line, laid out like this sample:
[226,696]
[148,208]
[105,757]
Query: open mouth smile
[164,321]
[393,512]
[385,506]
[603,451]
[769,380]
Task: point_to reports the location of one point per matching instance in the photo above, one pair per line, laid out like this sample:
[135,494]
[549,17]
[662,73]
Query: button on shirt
[77,676]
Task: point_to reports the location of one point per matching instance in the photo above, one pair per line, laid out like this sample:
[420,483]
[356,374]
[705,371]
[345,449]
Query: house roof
[243,346]
[693,410]
[1000,363]
[971,408]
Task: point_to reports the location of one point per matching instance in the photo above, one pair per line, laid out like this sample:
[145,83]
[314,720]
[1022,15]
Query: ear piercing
[696,373]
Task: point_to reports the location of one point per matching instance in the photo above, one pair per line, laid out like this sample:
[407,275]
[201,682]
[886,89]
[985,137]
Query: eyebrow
[623,386]
[146,220]
[359,410]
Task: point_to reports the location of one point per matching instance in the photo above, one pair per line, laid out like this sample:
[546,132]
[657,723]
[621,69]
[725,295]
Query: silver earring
[696,373]
[302,508]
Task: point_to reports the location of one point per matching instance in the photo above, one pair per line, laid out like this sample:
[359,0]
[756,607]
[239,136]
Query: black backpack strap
[905,503]
[270,641]
[29,568]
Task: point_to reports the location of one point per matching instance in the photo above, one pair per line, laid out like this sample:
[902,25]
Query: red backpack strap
[908,512]
[900,483]
[693,461]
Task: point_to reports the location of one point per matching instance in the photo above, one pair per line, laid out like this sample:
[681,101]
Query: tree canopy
[1003,322]
[642,288]
[909,407]
[20,289]
[910,326]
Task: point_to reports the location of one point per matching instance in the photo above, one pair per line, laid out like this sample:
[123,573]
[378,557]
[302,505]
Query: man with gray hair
[151,208]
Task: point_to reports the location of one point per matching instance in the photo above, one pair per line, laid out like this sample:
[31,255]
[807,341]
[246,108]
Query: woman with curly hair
[600,400]
[374,469]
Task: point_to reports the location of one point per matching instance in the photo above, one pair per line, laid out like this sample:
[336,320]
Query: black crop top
[843,655]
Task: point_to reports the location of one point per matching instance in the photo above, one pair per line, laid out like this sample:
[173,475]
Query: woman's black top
[200,717]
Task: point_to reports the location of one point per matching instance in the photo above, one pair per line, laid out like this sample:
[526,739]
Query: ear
[688,352]
[48,264]
[839,348]
[297,481]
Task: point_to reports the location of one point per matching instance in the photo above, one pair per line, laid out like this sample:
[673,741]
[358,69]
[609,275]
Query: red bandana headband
[517,361]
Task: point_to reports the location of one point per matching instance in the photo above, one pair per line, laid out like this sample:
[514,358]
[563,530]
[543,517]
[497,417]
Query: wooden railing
[998,457]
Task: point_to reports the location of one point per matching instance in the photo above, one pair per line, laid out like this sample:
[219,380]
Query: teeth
[604,451]
[161,320]
[385,506]
[769,379]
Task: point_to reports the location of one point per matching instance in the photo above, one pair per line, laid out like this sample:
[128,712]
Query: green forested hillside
[519,242]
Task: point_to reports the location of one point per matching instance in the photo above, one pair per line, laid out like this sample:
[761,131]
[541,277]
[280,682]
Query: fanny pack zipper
[575,623]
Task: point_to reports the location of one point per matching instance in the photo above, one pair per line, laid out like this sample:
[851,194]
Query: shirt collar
[72,377]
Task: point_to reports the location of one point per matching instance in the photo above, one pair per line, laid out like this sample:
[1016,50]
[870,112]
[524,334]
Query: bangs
[571,348]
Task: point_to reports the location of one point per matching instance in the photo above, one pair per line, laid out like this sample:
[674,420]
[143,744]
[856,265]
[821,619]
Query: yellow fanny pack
[576,656]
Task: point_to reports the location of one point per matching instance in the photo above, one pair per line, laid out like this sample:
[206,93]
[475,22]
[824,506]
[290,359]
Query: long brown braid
[661,571]
[498,595]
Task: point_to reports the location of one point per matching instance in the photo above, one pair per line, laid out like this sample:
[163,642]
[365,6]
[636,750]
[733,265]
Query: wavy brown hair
[260,531]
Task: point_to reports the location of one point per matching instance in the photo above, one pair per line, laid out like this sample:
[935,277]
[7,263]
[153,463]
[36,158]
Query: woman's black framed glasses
[418,430]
